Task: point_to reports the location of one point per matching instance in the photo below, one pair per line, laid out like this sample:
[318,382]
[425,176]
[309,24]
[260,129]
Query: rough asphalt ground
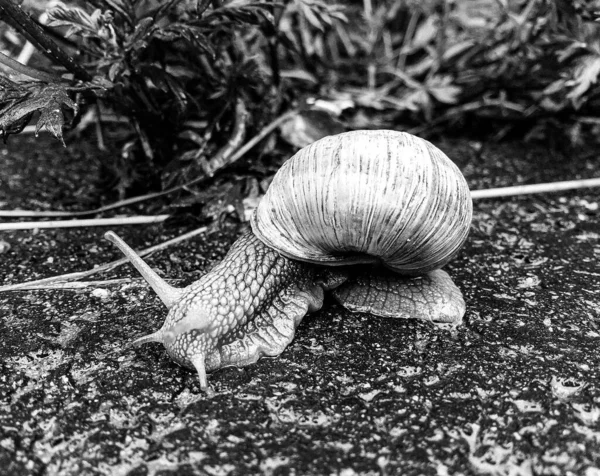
[515,391]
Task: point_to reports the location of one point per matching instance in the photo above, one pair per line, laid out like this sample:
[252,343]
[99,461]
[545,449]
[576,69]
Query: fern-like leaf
[17,110]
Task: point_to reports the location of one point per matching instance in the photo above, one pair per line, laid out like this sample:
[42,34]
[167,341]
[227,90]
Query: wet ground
[515,391]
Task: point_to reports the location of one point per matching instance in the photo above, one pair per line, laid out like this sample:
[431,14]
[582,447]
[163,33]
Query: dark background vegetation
[171,90]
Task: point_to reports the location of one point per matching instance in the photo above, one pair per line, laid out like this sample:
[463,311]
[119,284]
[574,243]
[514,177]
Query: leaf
[52,119]
[425,33]
[442,89]
[167,83]
[299,74]
[47,100]
[586,74]
[307,127]
[99,24]
[446,94]
[114,70]
[192,34]
[411,99]
[247,14]
[61,15]
[458,49]
[139,38]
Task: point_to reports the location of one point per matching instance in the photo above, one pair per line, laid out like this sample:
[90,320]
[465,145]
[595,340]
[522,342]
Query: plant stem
[535,188]
[408,36]
[28,70]
[222,158]
[68,286]
[372,38]
[34,33]
[120,221]
[273,42]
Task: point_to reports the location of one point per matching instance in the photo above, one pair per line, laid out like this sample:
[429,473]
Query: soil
[514,391]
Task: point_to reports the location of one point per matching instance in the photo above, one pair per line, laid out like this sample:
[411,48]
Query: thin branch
[408,37]
[535,188]
[83,284]
[473,106]
[223,157]
[260,136]
[34,33]
[119,221]
[103,268]
[28,70]
[142,198]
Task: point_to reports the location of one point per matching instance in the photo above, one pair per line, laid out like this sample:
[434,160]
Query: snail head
[189,332]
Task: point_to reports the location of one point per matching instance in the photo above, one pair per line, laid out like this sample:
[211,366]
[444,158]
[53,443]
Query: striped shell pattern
[367,196]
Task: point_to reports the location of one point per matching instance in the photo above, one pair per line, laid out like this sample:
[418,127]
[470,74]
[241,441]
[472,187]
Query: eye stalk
[172,330]
[167,293]
[187,341]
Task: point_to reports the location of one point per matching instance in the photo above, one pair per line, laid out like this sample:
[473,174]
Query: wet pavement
[515,391]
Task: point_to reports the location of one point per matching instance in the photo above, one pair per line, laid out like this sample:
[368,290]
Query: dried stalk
[84,284]
[119,221]
[36,35]
[28,70]
[535,188]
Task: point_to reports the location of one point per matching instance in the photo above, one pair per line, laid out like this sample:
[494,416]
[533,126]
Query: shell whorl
[367,196]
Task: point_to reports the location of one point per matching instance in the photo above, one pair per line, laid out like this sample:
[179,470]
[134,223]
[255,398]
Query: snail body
[370,215]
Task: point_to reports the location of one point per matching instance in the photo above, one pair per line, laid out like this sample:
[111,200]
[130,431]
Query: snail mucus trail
[387,200]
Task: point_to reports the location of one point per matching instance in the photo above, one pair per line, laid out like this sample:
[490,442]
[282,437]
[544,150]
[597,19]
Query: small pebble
[4,246]
[100,293]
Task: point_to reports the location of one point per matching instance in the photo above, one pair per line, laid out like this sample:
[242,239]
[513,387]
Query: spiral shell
[367,196]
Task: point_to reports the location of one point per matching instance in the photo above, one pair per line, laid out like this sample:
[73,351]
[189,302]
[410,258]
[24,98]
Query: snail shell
[367,197]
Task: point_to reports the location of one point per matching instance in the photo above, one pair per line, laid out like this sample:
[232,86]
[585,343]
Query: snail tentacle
[168,294]
[198,363]
[154,337]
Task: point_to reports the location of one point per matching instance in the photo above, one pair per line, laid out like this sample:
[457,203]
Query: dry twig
[119,221]
[535,188]
[49,282]
[77,286]
[13,14]
[223,157]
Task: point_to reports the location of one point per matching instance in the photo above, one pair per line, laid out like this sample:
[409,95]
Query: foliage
[441,61]
[176,70]
[21,101]
[193,77]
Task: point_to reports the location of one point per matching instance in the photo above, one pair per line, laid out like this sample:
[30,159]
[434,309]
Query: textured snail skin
[250,304]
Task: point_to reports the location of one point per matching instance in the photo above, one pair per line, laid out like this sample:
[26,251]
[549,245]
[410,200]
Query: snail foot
[432,297]
[273,328]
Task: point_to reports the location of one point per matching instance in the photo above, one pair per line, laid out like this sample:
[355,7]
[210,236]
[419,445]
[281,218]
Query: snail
[371,216]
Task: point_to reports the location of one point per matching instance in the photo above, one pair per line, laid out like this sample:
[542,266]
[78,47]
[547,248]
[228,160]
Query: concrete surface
[515,391]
